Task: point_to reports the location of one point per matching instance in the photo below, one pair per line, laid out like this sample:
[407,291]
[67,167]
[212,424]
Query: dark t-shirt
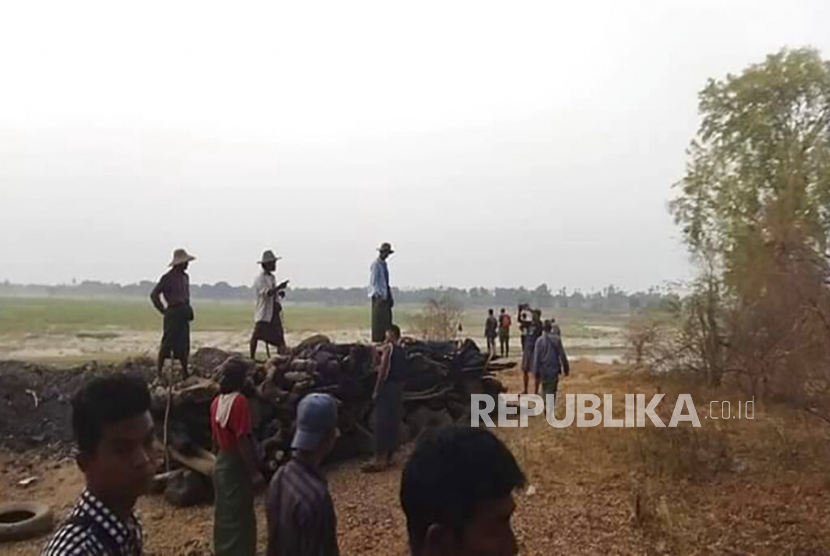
[175,287]
[490,327]
[397,367]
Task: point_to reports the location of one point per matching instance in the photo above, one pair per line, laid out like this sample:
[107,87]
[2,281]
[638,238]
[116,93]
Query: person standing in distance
[174,286]
[491,326]
[268,315]
[380,292]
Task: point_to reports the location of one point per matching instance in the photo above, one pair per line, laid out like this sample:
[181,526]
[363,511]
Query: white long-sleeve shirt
[379,279]
[264,303]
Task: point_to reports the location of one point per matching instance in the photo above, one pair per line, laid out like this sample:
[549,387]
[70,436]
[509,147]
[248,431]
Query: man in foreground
[115,437]
[300,511]
[549,360]
[175,287]
[236,475]
[381,294]
[268,314]
[491,326]
[457,494]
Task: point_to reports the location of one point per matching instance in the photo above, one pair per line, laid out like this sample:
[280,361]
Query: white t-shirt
[264,304]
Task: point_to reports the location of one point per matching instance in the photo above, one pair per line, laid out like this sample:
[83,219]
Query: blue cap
[316,419]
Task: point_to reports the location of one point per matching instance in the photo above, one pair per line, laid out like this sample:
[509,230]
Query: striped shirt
[301,519]
[94,530]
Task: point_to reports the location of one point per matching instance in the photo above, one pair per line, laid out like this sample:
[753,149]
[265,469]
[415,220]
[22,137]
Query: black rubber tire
[39,522]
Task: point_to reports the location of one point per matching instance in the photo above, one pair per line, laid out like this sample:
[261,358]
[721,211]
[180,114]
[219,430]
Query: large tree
[759,169]
[755,208]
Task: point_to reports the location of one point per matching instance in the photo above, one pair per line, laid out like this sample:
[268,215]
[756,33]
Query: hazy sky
[493,143]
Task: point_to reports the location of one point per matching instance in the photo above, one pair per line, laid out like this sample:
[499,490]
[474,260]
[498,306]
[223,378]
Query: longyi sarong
[381,318]
[234,520]
[388,414]
[175,340]
[271,332]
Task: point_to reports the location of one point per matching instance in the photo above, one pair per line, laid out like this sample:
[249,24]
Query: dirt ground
[594,490]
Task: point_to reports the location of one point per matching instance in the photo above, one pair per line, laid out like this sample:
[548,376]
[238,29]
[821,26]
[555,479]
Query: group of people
[456,488]
[498,327]
[543,354]
[171,298]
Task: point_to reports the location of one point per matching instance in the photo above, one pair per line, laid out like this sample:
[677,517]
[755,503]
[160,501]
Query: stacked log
[438,382]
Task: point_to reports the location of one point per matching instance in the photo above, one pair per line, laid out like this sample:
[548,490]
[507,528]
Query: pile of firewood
[438,382]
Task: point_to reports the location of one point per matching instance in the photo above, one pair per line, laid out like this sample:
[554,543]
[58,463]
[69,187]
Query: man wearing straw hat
[268,314]
[175,287]
[381,294]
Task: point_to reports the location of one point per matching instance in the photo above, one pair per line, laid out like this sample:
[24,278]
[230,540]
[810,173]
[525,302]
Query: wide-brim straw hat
[268,257]
[386,248]
[180,256]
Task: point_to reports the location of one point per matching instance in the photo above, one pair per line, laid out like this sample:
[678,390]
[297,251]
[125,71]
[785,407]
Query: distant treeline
[608,299]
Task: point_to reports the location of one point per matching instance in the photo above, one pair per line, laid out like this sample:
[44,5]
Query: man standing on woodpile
[175,287]
[388,397]
[381,294]
[491,326]
[457,494]
[504,332]
[268,315]
[300,511]
[236,475]
[114,431]
[549,360]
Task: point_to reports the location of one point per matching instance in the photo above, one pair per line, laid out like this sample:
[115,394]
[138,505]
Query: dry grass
[730,487]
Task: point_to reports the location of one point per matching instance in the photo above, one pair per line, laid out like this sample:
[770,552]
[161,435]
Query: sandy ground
[118,344]
[369,517]
[585,487]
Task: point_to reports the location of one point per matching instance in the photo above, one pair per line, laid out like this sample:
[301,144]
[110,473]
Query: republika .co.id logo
[584,409]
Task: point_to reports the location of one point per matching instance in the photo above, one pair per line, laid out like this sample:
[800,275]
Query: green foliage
[759,169]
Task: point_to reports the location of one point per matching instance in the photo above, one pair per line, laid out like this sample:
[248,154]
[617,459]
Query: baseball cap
[316,419]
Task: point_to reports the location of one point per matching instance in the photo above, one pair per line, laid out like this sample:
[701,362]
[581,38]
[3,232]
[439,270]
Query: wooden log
[203,462]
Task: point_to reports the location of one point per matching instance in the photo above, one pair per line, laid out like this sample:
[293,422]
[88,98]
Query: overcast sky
[493,143]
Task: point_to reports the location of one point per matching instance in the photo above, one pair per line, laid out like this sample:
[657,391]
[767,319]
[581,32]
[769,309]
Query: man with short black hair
[457,494]
[388,398]
[115,436]
[236,474]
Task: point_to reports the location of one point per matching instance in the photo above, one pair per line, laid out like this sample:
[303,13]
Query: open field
[71,330]
[737,486]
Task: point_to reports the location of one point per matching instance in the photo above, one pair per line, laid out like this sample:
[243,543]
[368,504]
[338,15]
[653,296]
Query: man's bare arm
[566,366]
[246,452]
[383,370]
[155,297]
